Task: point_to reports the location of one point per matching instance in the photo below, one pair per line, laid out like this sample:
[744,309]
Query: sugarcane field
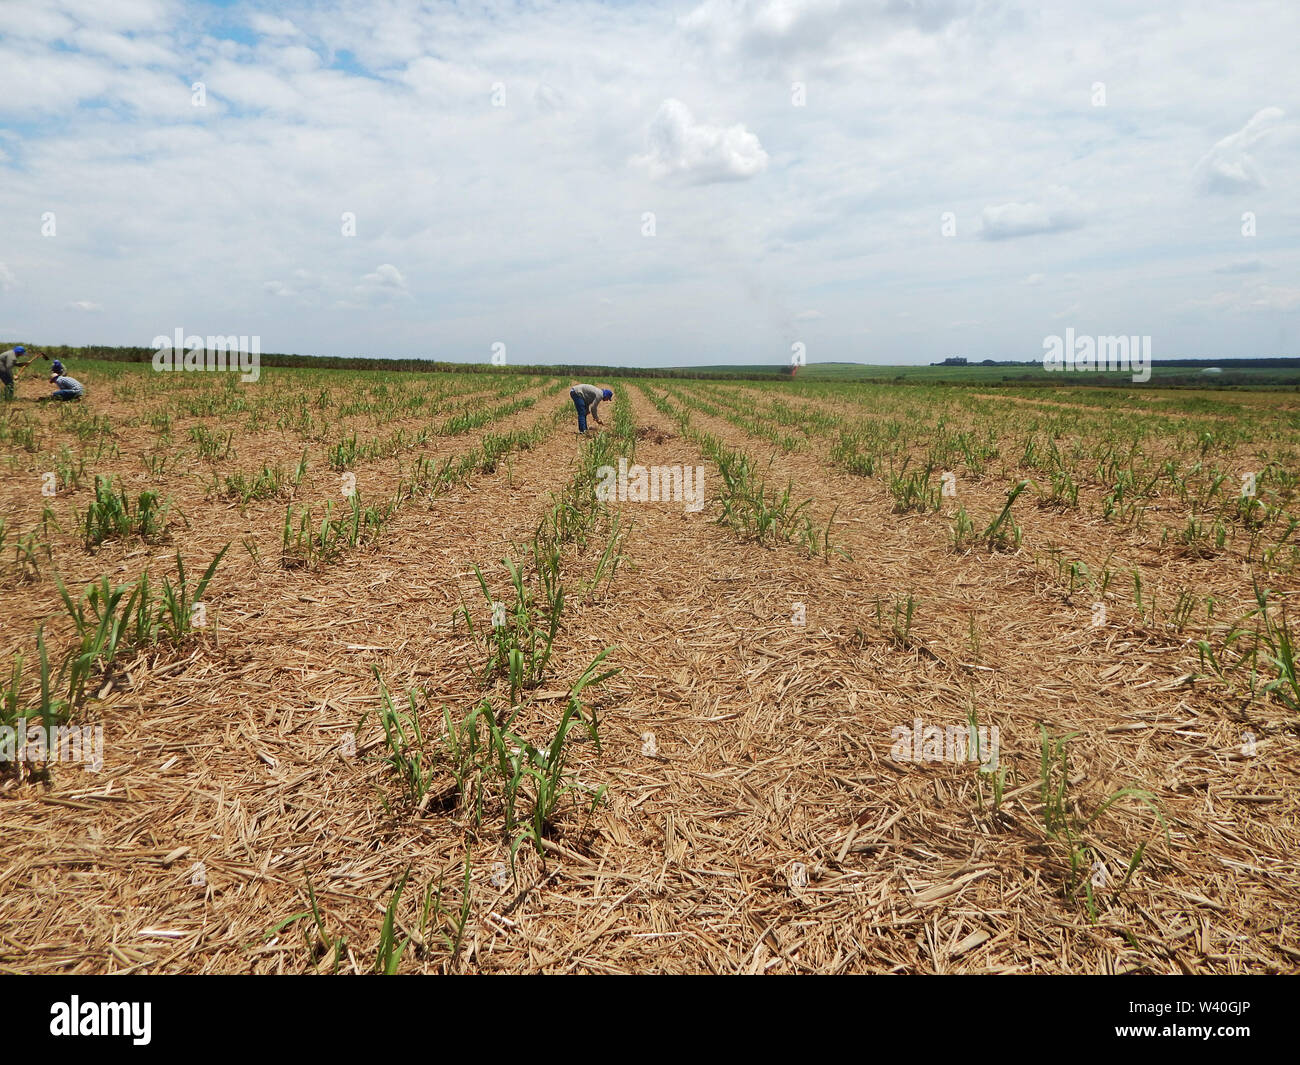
[903,674]
[696,487]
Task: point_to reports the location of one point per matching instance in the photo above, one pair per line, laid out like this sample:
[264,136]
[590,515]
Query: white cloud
[763,25]
[386,276]
[85,305]
[58,82]
[448,81]
[125,51]
[1227,167]
[1250,299]
[33,20]
[272,26]
[789,29]
[256,88]
[120,14]
[1059,212]
[383,285]
[7,279]
[698,153]
[292,58]
[302,285]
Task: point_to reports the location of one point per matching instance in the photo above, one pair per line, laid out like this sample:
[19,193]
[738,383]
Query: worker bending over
[587,398]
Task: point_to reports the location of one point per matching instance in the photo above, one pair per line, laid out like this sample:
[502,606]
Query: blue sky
[884,180]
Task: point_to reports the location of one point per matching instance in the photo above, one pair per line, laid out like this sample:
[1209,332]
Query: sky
[652,183]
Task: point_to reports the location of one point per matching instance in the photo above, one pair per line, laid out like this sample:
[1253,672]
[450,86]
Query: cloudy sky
[652,183]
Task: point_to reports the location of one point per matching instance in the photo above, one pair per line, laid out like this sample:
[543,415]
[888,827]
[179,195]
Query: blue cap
[20,350]
[607,394]
[56,366]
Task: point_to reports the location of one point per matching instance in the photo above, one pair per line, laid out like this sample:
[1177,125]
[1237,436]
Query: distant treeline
[1283,381]
[1271,362]
[358,362]
[1235,373]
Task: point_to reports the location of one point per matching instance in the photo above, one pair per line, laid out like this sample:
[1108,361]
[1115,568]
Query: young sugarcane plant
[546,769]
[998,536]
[520,641]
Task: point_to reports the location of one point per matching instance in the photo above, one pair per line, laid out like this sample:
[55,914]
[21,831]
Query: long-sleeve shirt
[69,384]
[591,396]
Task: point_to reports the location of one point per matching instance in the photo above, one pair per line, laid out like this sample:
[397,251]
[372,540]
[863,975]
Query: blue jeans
[66,393]
[581,404]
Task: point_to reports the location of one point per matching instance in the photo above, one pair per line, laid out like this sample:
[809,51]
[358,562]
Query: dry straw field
[935,680]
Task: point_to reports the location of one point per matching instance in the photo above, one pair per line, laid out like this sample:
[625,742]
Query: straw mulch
[770,830]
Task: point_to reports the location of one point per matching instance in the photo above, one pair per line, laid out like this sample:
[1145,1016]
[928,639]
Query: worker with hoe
[8,360]
[65,387]
[587,398]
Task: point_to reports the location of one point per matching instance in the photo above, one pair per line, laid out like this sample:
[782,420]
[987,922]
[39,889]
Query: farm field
[385,686]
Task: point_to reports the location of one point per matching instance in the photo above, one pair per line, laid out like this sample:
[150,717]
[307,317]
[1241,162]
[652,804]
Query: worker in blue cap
[587,398]
[8,360]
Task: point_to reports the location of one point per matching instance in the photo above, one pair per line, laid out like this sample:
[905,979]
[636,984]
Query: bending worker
[587,398]
[65,387]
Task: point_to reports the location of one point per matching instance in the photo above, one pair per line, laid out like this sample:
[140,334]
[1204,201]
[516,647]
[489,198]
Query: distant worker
[587,398]
[65,387]
[8,360]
